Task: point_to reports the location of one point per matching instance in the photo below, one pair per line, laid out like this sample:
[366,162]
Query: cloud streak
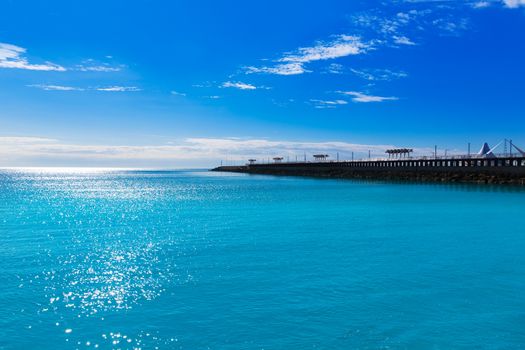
[403,40]
[118,89]
[100,68]
[514,3]
[293,63]
[328,103]
[51,87]
[364,98]
[238,85]
[280,69]
[379,74]
[16,149]
[12,56]
[55,87]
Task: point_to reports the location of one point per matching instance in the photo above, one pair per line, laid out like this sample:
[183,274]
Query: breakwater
[508,170]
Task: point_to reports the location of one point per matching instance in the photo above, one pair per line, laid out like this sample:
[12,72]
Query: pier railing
[449,162]
[397,159]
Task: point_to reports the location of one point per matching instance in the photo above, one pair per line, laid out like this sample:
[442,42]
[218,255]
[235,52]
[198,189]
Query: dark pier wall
[495,171]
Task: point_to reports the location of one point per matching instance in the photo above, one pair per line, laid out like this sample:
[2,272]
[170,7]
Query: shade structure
[399,152]
[321,156]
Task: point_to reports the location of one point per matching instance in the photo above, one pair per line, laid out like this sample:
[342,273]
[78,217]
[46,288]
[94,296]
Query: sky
[178,84]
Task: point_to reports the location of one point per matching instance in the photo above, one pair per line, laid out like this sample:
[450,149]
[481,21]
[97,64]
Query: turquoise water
[199,260]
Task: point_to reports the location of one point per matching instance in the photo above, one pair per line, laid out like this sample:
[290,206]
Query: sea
[192,259]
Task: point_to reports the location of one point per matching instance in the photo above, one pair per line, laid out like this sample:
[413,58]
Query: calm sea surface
[200,260]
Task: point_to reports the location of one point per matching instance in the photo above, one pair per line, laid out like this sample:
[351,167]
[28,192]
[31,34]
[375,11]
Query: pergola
[278,159]
[321,157]
[399,152]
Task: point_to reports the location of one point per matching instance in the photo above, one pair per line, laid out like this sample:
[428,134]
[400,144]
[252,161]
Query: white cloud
[451,26]
[481,4]
[21,140]
[447,17]
[51,87]
[206,84]
[386,26]
[514,3]
[55,87]
[293,63]
[328,103]
[280,69]
[14,150]
[100,68]
[378,74]
[364,98]
[93,65]
[335,68]
[176,93]
[402,40]
[344,45]
[476,4]
[238,85]
[11,56]
[119,88]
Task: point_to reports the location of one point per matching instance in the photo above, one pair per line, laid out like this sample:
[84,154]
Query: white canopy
[486,151]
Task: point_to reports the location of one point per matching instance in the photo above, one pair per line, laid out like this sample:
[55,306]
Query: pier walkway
[501,170]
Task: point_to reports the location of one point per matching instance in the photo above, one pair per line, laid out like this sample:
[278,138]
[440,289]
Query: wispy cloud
[481,4]
[55,87]
[514,3]
[475,4]
[21,140]
[364,98]
[93,65]
[52,87]
[328,103]
[176,93]
[119,88]
[280,69]
[12,56]
[451,26]
[389,27]
[100,68]
[239,85]
[441,17]
[402,40]
[335,68]
[206,84]
[293,63]
[379,74]
[343,45]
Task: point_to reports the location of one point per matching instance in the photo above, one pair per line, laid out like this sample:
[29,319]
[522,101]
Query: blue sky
[188,83]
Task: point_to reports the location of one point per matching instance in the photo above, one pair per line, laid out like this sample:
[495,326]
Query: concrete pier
[506,170]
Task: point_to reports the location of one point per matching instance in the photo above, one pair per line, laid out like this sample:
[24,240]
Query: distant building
[252,161]
[278,159]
